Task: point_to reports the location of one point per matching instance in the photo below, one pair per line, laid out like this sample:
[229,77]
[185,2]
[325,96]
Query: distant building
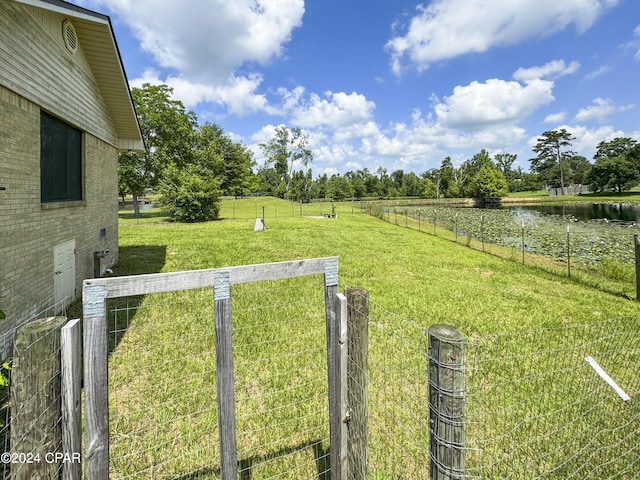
[65,112]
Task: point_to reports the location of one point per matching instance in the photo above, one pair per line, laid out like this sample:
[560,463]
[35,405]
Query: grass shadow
[144,214]
[245,466]
[133,260]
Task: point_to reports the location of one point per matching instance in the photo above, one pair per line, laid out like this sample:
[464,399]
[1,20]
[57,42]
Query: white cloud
[635,44]
[493,102]
[586,139]
[336,110]
[204,42]
[207,40]
[600,110]
[448,28]
[555,117]
[597,72]
[238,94]
[550,70]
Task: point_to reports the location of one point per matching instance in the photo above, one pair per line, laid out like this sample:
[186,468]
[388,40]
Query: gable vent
[70,36]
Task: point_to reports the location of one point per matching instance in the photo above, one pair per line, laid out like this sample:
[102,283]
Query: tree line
[189,166]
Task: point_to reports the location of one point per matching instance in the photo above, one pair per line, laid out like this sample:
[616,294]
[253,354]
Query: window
[60,161]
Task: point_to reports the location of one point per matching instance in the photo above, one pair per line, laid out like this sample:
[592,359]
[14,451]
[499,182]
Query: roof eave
[129,134]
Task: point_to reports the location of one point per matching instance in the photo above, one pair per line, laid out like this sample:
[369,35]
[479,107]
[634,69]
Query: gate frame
[95,335]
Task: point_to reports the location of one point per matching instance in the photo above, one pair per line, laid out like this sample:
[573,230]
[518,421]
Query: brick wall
[29,230]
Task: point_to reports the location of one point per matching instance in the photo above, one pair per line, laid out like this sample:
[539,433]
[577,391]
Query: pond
[129,206]
[590,233]
[617,212]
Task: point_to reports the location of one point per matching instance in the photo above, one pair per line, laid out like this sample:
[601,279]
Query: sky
[396,84]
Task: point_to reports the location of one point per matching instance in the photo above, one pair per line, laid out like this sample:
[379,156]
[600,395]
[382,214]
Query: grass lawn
[409,274]
[413,274]
[543,196]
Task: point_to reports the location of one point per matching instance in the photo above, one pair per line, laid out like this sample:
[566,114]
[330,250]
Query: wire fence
[30,428]
[397,397]
[537,404]
[281,379]
[536,408]
[598,253]
[533,406]
[162,394]
[163,404]
[271,208]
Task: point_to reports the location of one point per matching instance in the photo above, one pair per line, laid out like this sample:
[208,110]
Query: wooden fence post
[333,372]
[71,376]
[96,385]
[358,380]
[36,429]
[446,403]
[224,377]
[636,243]
[342,360]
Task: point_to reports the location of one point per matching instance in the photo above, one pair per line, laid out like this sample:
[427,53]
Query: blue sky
[393,83]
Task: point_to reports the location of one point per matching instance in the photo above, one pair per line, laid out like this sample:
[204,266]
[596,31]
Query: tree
[617,165]
[504,161]
[411,185]
[189,193]
[444,180]
[521,181]
[372,185]
[358,187]
[322,183]
[616,173]
[487,183]
[301,186]
[396,179]
[284,150]
[268,180]
[428,188]
[167,129]
[231,162]
[614,148]
[338,188]
[549,148]
[579,168]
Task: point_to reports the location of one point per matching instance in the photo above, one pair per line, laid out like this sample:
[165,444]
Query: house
[65,112]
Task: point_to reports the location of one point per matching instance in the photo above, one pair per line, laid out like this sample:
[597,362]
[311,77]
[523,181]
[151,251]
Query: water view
[617,212]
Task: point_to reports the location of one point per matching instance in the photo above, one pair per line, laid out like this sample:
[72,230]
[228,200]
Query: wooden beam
[224,378]
[71,375]
[96,388]
[168,282]
[333,332]
[358,380]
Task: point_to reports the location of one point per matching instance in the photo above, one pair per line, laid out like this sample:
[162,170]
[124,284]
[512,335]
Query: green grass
[543,196]
[404,270]
[536,193]
[163,364]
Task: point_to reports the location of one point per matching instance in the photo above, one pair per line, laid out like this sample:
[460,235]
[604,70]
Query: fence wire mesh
[26,438]
[397,397]
[280,356]
[534,407]
[537,409]
[162,386]
[162,383]
[598,253]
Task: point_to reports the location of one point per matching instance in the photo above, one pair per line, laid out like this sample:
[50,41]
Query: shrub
[189,194]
